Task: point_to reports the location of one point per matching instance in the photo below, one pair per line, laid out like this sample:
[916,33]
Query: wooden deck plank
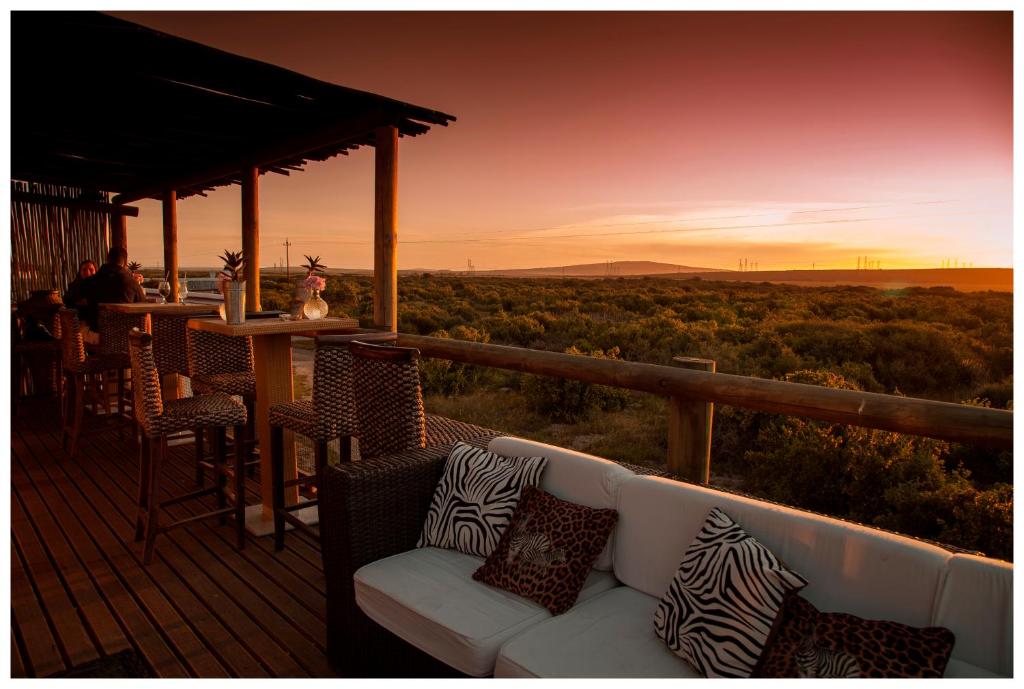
[106,634]
[255,626]
[17,664]
[210,547]
[43,657]
[244,613]
[129,591]
[219,649]
[51,577]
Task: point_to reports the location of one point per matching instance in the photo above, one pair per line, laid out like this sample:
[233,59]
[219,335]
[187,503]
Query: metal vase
[234,302]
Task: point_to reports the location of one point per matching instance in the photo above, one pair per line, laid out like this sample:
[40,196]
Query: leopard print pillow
[809,643]
[548,549]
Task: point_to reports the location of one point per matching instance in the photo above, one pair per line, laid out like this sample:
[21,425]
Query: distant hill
[962,279]
[611,269]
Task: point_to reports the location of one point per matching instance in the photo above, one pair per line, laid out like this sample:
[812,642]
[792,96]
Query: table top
[163,309]
[273,326]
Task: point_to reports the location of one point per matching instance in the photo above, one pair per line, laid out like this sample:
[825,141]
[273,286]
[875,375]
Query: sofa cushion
[548,549]
[573,476]
[958,669]
[976,604]
[475,498]
[810,643]
[609,635]
[428,598]
[723,600]
[855,569]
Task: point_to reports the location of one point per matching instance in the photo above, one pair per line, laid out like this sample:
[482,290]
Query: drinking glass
[182,290]
[164,288]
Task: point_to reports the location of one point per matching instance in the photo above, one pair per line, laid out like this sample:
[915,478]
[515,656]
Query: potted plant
[231,280]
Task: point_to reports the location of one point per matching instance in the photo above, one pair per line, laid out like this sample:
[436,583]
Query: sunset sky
[693,138]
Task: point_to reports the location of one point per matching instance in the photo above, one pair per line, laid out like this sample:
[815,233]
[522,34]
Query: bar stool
[389,404]
[113,330]
[79,371]
[219,363]
[157,420]
[330,414]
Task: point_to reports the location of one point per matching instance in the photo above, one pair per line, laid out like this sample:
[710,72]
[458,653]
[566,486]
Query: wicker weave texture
[157,418]
[170,343]
[73,355]
[114,329]
[211,354]
[370,510]
[389,405]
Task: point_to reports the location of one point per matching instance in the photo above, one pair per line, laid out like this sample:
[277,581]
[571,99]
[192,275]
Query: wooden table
[271,338]
[140,307]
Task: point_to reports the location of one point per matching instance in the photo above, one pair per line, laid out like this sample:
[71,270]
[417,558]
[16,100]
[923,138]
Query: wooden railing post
[689,429]
[385,230]
[170,208]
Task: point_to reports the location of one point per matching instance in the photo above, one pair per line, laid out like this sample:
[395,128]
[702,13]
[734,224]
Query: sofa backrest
[849,568]
[573,476]
[976,603]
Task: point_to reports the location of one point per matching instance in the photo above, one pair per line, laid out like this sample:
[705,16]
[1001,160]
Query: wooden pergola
[106,105]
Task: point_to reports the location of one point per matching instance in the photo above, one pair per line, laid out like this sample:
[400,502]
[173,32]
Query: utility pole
[287,259]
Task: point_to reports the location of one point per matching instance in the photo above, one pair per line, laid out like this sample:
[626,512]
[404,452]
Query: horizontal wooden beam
[942,420]
[289,148]
[96,206]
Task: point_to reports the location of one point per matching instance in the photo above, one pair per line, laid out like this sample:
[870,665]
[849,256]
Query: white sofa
[428,598]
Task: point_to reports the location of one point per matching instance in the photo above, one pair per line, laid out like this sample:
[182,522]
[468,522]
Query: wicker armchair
[369,510]
[158,419]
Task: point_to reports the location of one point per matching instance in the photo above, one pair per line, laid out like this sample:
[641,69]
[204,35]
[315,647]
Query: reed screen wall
[48,242]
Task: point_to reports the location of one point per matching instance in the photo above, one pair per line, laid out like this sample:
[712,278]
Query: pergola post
[170,208]
[385,230]
[118,230]
[251,236]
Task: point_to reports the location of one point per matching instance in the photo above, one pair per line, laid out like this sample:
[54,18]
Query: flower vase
[315,308]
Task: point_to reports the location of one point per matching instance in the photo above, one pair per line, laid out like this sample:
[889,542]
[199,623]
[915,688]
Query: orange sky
[692,138]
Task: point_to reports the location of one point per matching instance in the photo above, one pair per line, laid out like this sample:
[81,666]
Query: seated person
[112,284]
[75,294]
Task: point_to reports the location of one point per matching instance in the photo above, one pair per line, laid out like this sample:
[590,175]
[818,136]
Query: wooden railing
[693,389]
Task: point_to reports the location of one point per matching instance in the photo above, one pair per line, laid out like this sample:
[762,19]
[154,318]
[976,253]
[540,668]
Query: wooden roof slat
[142,111]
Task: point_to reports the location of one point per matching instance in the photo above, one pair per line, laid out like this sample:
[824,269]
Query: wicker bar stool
[330,414]
[157,420]
[389,403]
[113,330]
[80,371]
[220,363]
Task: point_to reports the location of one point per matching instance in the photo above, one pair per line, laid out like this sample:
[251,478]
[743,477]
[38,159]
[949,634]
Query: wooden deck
[201,609]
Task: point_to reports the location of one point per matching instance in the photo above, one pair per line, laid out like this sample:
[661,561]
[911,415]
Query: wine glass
[183,289]
[164,288]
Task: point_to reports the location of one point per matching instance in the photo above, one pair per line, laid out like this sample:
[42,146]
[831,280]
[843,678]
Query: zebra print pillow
[719,609]
[475,498]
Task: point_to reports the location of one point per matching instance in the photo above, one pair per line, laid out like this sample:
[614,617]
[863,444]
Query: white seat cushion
[611,635]
[854,569]
[427,597]
[572,476]
[960,669]
[976,604]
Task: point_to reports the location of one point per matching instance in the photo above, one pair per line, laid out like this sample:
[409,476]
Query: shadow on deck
[79,590]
